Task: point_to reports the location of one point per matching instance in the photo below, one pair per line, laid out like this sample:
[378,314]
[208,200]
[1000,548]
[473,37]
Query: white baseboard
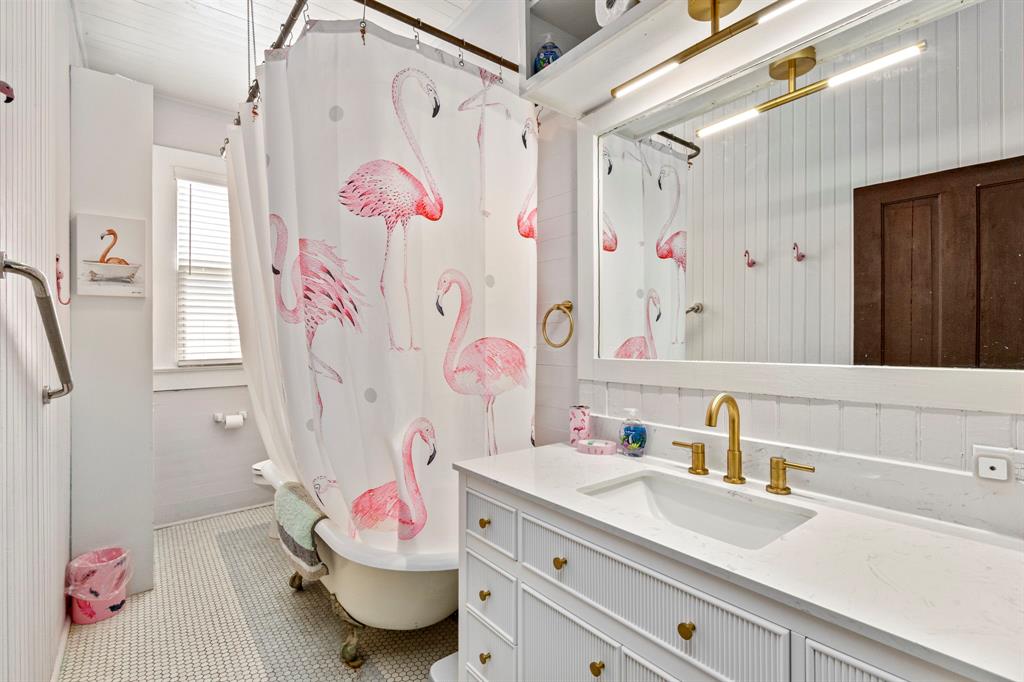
[210,516]
[58,661]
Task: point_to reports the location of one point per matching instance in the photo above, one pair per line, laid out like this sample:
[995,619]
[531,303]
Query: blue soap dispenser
[632,434]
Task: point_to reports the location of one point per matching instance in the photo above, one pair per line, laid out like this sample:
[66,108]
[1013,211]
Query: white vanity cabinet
[547,597]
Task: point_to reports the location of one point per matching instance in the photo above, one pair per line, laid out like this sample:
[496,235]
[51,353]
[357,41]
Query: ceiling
[195,50]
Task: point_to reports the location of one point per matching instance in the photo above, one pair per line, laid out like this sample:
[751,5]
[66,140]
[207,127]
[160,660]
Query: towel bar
[48,313]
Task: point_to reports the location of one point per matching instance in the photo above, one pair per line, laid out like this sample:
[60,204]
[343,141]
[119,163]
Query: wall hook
[750,261]
[798,255]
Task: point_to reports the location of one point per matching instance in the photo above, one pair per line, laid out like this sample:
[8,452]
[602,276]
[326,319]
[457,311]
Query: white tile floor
[222,610]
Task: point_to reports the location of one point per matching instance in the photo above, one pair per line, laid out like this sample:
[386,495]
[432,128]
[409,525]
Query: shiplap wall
[35,51]
[556,273]
[788,176]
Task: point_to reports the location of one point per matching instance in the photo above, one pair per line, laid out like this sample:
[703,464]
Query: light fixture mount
[794,65]
[704,10]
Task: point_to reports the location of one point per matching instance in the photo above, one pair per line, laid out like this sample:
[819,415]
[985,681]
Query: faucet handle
[697,465]
[777,470]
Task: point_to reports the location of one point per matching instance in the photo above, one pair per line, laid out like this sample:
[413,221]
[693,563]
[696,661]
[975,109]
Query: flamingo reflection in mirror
[382,508]
[642,347]
[673,247]
[486,367]
[609,239]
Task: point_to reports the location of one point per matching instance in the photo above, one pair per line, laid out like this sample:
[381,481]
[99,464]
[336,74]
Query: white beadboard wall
[35,51]
[556,273]
[788,176]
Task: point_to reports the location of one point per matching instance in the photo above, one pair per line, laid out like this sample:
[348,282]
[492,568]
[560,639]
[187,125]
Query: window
[207,330]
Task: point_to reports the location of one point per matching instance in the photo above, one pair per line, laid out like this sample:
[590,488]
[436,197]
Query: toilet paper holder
[221,418]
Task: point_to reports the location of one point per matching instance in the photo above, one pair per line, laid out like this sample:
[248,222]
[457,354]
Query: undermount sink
[725,515]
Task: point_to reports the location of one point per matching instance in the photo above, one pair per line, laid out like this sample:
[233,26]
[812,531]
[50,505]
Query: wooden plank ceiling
[195,50]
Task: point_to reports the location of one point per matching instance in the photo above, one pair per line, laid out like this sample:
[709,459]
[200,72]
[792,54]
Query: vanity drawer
[492,522]
[636,669]
[491,594]
[489,655]
[727,641]
[557,646]
[825,664]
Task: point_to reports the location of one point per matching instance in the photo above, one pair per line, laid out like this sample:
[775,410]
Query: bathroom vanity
[581,567]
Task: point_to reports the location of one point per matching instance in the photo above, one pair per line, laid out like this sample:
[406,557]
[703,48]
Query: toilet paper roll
[233,421]
[608,11]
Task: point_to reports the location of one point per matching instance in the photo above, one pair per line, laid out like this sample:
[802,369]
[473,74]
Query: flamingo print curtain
[398,256]
[642,275]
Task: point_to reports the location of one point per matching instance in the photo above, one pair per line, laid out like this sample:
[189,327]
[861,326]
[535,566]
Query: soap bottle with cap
[632,434]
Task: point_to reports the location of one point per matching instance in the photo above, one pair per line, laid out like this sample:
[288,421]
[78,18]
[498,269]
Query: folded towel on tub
[297,515]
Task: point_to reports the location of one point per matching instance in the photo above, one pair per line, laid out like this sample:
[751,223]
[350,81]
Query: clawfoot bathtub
[375,587]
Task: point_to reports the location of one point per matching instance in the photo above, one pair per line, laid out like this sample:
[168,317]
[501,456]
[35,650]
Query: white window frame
[169,164]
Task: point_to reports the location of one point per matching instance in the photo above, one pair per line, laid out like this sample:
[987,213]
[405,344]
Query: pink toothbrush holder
[579,423]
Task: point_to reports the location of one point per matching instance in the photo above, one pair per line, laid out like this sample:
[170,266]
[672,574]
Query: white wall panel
[35,51]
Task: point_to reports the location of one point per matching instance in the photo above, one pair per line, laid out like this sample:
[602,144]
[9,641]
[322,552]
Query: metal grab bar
[48,313]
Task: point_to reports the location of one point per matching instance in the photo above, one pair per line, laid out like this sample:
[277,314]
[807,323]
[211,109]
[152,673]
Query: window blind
[207,329]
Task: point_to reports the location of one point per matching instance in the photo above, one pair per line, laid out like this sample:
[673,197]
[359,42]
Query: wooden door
[938,265]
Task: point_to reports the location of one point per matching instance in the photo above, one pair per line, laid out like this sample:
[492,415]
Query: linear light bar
[646,78]
[799,93]
[771,11]
[876,65]
[765,18]
[728,123]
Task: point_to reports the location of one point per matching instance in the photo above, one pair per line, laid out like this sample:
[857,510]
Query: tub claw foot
[350,648]
[295,582]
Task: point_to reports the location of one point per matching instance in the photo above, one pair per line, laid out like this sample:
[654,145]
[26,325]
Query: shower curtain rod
[418,24]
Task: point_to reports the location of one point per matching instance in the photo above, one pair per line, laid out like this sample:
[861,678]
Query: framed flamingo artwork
[109,256]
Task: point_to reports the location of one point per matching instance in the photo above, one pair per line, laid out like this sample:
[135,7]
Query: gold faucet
[734,457]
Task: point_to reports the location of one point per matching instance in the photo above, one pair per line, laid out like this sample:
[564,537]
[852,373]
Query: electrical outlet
[994,463]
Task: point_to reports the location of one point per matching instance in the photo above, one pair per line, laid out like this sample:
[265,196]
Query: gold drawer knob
[484,658]
[559,562]
[686,630]
[484,594]
[596,668]
[484,522]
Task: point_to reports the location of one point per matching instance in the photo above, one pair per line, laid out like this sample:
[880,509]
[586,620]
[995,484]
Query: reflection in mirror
[859,201]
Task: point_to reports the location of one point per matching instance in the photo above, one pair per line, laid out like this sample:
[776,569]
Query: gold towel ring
[565,307]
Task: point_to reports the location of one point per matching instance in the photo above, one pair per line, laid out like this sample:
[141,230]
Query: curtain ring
[566,308]
[501,78]
[416,36]
[462,62]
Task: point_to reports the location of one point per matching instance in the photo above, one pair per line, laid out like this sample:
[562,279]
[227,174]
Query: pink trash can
[96,582]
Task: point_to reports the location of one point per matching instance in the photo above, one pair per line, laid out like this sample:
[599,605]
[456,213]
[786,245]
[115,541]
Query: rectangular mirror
[859,201]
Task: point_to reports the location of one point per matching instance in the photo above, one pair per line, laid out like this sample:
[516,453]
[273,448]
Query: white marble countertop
[945,593]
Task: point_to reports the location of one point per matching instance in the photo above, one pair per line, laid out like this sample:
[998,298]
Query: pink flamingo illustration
[642,347]
[486,367]
[382,508]
[609,240]
[479,101]
[526,221]
[7,92]
[673,247]
[382,188]
[323,289]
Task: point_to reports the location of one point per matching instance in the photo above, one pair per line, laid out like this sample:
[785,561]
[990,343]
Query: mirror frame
[983,390]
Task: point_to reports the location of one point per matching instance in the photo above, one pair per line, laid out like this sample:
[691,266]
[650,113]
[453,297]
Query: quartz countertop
[944,593]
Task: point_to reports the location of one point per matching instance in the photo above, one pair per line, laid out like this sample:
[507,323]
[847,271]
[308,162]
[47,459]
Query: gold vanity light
[712,11]
[799,63]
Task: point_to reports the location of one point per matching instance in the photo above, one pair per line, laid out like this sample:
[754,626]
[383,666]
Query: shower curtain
[385,274]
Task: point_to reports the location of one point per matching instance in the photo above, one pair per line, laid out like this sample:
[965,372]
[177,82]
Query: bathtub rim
[341,544]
